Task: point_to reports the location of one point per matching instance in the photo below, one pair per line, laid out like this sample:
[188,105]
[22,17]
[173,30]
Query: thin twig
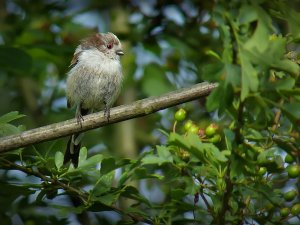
[29,171]
[121,113]
[69,189]
[277,117]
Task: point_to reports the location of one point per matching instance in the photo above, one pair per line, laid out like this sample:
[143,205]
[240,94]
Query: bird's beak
[119,52]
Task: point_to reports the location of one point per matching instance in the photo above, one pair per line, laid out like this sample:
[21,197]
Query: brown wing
[74,60]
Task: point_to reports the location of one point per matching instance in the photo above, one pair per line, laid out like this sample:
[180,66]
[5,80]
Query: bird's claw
[107,113]
[80,119]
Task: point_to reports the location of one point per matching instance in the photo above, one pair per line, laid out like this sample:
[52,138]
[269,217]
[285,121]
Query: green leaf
[292,110]
[271,160]
[259,41]
[229,138]
[179,140]
[208,151]
[247,14]
[107,165]
[103,184]
[213,100]
[177,193]
[15,59]
[152,159]
[220,98]
[232,76]
[142,173]
[133,193]
[82,156]
[91,161]
[205,152]
[212,72]
[254,135]
[213,54]
[109,199]
[164,153]
[8,129]
[8,117]
[9,192]
[290,15]
[227,55]
[284,84]
[288,66]
[249,77]
[59,159]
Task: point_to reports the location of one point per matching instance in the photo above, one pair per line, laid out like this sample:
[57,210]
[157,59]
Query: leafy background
[149,173]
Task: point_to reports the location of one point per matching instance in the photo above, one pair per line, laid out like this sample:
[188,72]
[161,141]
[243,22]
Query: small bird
[94,82]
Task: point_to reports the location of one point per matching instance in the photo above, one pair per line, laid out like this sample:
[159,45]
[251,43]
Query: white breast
[95,79]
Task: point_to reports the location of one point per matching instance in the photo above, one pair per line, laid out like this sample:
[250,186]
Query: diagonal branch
[124,112]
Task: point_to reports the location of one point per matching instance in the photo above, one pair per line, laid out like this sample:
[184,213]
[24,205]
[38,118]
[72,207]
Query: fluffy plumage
[94,81]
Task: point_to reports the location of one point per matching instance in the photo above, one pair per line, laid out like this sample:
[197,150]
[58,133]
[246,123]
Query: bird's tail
[73,148]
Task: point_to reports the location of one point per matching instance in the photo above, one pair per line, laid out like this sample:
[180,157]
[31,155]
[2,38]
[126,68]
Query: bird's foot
[107,112]
[79,118]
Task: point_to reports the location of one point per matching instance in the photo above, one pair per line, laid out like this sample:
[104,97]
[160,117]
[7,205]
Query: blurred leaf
[103,184]
[109,164]
[284,144]
[84,162]
[259,41]
[205,152]
[82,155]
[177,194]
[109,199]
[164,156]
[15,59]
[227,55]
[8,117]
[133,193]
[213,72]
[270,159]
[154,81]
[220,98]
[10,192]
[292,110]
[142,173]
[9,129]
[247,14]
[249,77]
[213,54]
[164,153]
[232,75]
[59,159]
[253,134]
[229,138]
[288,66]
[290,15]
[284,84]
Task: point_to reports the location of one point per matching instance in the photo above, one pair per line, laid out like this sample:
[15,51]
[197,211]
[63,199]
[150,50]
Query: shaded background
[166,45]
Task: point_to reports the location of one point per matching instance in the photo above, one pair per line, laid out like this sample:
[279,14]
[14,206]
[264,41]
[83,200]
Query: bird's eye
[109,46]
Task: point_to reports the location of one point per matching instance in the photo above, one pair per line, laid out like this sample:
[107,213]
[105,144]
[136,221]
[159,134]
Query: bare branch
[121,113]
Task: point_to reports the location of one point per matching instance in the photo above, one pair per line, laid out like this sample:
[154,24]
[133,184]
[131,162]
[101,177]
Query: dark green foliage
[189,173]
